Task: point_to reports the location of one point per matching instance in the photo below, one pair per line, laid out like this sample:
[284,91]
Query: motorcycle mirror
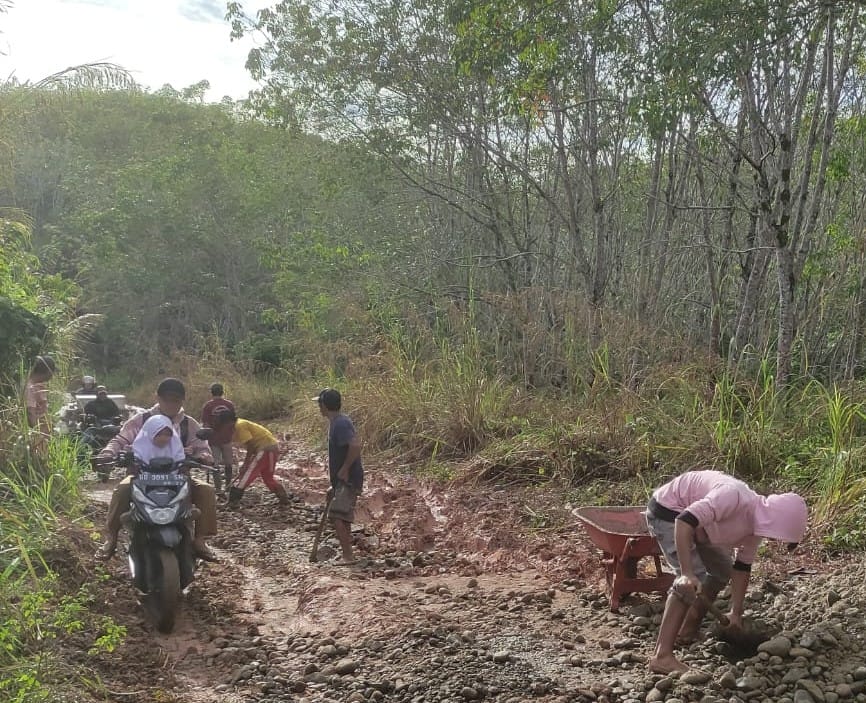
[204,433]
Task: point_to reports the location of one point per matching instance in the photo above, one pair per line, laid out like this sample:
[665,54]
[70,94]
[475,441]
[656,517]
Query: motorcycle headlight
[161,516]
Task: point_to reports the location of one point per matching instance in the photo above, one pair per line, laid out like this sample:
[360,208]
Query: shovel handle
[315,550]
[714,609]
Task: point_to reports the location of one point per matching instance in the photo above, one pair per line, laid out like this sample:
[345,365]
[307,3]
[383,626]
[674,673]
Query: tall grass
[434,396]
[744,427]
[259,394]
[840,479]
[436,401]
[36,492]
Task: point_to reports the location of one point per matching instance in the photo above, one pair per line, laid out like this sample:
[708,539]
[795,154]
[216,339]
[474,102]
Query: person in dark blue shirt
[344,467]
[102,407]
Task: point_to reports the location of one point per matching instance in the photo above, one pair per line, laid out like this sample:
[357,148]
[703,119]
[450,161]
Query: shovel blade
[323,553]
[744,640]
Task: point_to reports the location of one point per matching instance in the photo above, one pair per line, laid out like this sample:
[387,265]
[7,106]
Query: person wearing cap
[263,450]
[344,468]
[700,518]
[102,407]
[88,386]
[170,395]
[220,440]
[36,390]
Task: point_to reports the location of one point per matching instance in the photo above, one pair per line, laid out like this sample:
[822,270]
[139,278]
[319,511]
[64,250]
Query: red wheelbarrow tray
[621,533]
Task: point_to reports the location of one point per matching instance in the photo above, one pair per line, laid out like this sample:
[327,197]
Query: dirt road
[463,593]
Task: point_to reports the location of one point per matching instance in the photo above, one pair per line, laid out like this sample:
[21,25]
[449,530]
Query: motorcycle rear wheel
[166,595]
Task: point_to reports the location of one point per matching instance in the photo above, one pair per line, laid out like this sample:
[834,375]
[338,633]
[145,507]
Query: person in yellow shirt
[260,460]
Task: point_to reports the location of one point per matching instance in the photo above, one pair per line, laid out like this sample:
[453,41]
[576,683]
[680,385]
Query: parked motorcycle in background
[159,521]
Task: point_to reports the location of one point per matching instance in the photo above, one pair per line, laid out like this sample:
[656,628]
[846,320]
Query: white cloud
[159,41]
[202,10]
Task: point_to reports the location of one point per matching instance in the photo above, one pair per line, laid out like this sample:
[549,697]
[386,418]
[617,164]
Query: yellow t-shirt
[253,436]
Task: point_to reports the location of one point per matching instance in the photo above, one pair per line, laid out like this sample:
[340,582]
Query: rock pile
[816,657]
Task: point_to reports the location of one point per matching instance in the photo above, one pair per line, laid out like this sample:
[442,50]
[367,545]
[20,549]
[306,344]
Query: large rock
[777,646]
[346,666]
[696,677]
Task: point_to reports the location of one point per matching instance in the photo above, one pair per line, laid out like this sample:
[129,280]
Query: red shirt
[222,435]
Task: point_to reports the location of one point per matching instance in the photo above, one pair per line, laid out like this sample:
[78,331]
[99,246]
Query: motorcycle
[159,519]
[97,432]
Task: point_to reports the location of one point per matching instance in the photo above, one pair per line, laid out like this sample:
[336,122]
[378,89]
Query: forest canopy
[648,180]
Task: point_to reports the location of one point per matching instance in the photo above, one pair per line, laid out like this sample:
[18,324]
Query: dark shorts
[343,503]
[711,564]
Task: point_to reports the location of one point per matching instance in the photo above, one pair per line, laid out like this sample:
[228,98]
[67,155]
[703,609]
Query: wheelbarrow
[621,533]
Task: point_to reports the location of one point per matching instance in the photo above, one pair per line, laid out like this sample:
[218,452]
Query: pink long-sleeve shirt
[723,505]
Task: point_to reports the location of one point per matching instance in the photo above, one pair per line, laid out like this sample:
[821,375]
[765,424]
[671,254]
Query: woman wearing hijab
[157,439]
[699,518]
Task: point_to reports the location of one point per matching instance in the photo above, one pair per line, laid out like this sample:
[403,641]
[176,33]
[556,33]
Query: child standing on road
[221,440]
[36,402]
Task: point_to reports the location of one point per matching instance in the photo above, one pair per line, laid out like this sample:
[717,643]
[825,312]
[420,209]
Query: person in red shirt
[220,440]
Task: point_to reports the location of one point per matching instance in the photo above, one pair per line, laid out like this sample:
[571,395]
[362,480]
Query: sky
[159,41]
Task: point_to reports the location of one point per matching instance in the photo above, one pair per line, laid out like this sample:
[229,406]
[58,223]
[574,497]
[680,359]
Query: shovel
[744,639]
[314,552]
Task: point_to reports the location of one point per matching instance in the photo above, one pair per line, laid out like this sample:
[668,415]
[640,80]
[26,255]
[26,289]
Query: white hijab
[145,450]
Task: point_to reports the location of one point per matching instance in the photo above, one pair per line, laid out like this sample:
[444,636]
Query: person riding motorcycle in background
[102,407]
[170,395]
[89,386]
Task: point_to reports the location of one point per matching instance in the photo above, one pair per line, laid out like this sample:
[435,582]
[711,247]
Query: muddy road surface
[462,593]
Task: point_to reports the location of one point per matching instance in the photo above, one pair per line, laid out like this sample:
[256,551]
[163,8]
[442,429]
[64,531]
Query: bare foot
[666,665]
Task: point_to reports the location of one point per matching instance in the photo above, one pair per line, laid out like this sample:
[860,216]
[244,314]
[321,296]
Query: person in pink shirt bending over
[699,519]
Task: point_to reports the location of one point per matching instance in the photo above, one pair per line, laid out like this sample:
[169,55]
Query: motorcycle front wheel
[165,593]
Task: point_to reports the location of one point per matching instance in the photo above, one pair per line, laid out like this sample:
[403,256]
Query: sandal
[204,553]
[107,550]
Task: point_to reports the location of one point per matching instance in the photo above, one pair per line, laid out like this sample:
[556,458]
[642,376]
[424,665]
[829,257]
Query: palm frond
[17,215]
[96,76]
[77,331]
